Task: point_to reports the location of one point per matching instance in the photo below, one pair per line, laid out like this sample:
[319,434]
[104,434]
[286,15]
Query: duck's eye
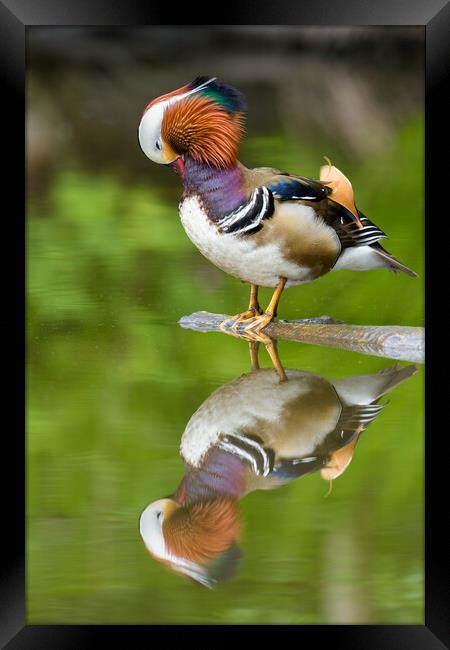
[158,145]
[158,516]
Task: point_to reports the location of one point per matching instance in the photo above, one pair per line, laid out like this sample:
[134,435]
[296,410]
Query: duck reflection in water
[257,432]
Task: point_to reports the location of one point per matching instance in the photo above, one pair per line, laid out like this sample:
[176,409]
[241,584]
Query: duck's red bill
[178,166]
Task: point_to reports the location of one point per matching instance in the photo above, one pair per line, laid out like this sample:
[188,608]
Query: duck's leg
[259,322]
[253,308]
[254,304]
[272,349]
[253,320]
[239,321]
[254,347]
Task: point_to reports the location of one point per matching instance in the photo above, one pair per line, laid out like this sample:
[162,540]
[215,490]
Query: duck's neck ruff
[219,190]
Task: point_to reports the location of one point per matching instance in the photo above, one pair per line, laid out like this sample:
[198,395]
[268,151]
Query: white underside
[242,403]
[360,258]
[263,265]
[239,256]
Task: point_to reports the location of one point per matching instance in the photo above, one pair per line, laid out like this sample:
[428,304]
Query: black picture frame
[15,17]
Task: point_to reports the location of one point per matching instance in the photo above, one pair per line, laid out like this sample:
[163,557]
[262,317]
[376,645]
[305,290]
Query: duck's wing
[265,471]
[353,228]
[339,446]
[265,187]
[337,207]
[286,187]
[331,199]
[262,459]
[338,210]
[351,231]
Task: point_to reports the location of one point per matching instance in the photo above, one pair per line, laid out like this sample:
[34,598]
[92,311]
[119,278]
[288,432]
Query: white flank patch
[239,255]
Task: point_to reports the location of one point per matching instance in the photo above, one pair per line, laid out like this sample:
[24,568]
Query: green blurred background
[112,379]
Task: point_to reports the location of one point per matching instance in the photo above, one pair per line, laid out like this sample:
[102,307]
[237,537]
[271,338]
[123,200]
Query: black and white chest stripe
[250,449]
[262,459]
[248,217]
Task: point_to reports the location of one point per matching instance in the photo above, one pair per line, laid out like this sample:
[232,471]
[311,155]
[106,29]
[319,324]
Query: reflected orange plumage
[203,531]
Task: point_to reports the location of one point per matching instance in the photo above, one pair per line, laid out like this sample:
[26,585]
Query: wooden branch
[391,341]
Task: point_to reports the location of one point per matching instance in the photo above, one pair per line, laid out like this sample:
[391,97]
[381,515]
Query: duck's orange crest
[199,126]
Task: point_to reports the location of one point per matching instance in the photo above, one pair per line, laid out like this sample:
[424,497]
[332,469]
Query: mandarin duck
[253,433]
[264,226]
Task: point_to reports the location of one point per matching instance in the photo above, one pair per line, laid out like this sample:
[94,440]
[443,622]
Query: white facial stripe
[150,132]
[150,527]
[176,98]
[194,571]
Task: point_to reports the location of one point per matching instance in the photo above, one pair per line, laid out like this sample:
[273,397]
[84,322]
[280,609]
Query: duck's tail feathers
[367,389]
[392,262]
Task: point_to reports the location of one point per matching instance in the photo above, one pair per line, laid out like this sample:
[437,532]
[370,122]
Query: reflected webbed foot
[248,325]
